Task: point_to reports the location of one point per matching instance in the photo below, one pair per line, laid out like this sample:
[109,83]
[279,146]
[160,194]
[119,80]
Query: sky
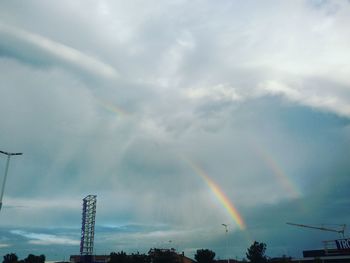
[180,116]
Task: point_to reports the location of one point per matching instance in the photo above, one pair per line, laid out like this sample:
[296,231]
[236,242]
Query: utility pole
[8,154]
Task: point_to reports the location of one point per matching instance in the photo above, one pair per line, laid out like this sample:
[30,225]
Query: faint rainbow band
[282,178]
[111,107]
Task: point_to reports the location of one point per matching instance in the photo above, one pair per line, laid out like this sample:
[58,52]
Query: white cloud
[3,245]
[309,96]
[220,92]
[45,239]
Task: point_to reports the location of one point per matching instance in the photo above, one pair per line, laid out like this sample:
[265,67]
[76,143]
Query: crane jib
[343,243]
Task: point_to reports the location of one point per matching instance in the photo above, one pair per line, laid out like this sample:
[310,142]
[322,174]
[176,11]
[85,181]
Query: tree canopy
[122,257]
[256,253]
[163,256]
[10,258]
[34,259]
[119,257]
[204,256]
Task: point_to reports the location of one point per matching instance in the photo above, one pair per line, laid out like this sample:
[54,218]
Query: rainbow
[112,107]
[277,171]
[219,194]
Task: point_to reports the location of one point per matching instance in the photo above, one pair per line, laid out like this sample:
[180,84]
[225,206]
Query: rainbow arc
[219,194]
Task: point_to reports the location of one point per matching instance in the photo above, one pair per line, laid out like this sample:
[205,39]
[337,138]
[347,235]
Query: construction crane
[339,231]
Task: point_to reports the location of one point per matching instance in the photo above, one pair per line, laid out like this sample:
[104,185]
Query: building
[227,261]
[152,253]
[94,258]
[325,256]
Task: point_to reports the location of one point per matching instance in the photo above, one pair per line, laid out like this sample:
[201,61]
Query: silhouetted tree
[256,253]
[10,258]
[139,258]
[163,256]
[34,259]
[120,257]
[204,256]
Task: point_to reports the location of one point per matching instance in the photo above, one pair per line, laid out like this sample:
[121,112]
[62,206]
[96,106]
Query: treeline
[255,254]
[161,256]
[12,258]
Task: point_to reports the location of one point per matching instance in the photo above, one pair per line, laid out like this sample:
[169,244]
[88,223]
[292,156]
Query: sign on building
[343,243]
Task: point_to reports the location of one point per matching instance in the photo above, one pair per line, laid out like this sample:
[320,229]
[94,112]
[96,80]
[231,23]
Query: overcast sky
[180,116]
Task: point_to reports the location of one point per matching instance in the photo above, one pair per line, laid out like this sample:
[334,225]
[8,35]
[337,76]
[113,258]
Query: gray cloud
[39,50]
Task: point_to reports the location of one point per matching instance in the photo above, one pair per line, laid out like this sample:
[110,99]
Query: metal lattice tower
[88,225]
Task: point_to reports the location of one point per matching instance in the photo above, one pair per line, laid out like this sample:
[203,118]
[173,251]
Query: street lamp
[226,231]
[6,170]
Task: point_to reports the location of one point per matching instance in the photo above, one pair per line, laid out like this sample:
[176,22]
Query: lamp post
[226,231]
[8,154]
